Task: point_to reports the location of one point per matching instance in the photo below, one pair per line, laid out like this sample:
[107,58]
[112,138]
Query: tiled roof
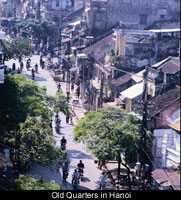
[167,177]
[160,102]
[170,65]
[121,80]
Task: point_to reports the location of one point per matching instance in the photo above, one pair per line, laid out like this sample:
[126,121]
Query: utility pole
[142,148]
[38,10]
[101,91]
[68,79]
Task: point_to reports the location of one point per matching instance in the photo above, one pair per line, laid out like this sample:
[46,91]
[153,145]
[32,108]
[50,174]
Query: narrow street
[76,151]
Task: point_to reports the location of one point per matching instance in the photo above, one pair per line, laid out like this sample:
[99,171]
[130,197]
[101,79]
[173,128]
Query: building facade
[101,15]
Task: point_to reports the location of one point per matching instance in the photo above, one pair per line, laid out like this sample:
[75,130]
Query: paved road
[76,151]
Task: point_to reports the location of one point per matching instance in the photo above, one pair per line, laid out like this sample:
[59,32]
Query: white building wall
[166,148]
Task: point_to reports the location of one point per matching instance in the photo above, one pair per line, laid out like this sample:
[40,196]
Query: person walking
[102,181]
[36,68]
[72,87]
[78,91]
[67,117]
[14,67]
[33,74]
[21,66]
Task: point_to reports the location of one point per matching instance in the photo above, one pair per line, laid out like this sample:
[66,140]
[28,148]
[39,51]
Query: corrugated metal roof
[133,91]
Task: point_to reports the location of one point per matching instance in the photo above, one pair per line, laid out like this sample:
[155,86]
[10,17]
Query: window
[57,3]
[143,19]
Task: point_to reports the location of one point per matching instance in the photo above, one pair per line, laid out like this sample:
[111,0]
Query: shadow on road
[85,179]
[78,155]
[37,78]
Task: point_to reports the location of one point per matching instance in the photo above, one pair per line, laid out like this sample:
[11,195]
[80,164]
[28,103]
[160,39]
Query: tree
[108,133]
[37,144]
[37,30]
[25,114]
[34,183]
[58,103]
[16,48]
[20,98]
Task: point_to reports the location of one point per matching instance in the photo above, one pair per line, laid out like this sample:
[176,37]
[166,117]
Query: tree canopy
[108,132]
[16,48]
[26,111]
[35,28]
[34,183]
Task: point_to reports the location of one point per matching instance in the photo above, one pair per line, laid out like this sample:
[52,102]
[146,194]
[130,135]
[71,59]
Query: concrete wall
[132,11]
[166,148]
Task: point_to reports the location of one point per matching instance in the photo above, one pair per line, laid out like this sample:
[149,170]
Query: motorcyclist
[65,171]
[75,176]
[63,142]
[59,87]
[80,167]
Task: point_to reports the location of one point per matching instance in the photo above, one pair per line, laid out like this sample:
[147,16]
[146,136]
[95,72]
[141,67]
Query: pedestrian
[41,61]
[78,92]
[102,181]
[72,86]
[43,64]
[21,66]
[67,118]
[20,59]
[36,68]
[14,67]
[33,74]
[71,118]
[28,64]
[19,71]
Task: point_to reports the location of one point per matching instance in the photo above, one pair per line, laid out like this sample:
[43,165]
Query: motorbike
[75,182]
[81,173]
[57,128]
[63,146]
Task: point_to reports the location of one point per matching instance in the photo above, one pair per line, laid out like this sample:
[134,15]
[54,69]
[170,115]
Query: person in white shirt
[102,181]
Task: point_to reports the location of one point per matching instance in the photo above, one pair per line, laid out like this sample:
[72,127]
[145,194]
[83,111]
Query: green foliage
[35,29]
[16,48]
[37,143]
[26,110]
[108,132]
[59,103]
[21,98]
[34,183]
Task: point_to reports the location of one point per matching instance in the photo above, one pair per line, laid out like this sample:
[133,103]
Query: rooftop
[167,177]
[162,101]
[120,80]
[170,65]
[174,120]
[133,91]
